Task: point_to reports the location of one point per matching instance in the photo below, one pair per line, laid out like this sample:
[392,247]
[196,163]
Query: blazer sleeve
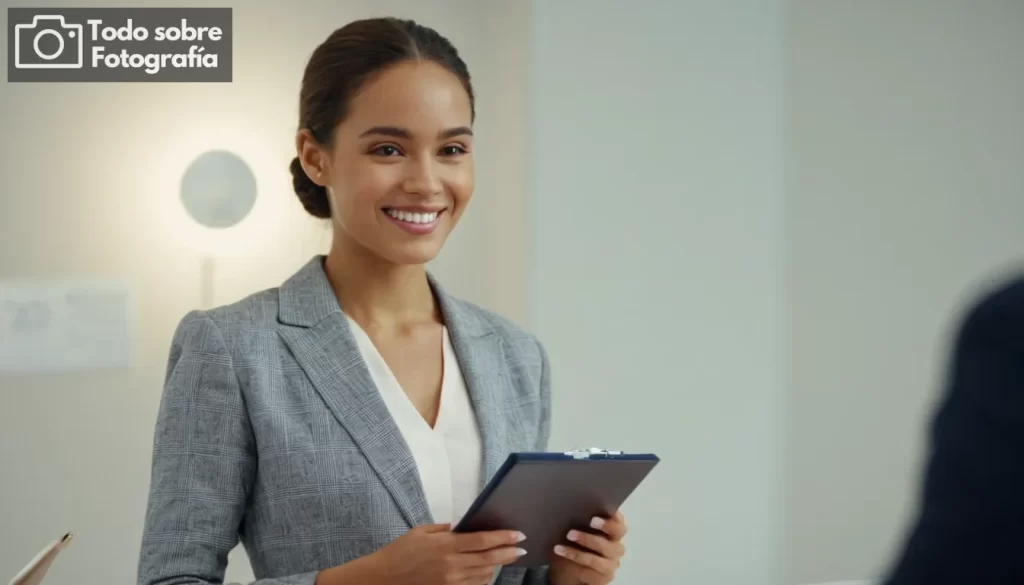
[203,466]
[972,511]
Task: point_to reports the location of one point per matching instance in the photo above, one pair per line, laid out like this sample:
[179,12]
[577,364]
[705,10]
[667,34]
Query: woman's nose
[423,178]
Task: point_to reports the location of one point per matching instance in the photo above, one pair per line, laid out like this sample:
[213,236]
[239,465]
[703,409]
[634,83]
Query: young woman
[340,423]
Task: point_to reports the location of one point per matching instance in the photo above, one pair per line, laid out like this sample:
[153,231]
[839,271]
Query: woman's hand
[592,559]
[432,555]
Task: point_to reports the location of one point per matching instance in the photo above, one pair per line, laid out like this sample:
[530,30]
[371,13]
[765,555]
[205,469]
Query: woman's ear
[312,157]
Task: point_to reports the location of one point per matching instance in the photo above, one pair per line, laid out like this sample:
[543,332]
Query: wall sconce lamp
[218,191]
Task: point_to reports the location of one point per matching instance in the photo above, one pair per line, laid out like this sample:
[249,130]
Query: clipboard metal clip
[592,452]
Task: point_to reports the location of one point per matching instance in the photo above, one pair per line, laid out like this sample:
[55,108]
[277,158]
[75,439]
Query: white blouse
[448,456]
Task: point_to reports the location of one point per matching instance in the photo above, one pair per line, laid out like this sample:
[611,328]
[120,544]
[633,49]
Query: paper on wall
[62,326]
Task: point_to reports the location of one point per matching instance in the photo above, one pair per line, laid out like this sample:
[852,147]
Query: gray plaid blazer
[270,431]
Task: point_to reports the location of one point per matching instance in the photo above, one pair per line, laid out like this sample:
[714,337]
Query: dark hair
[342,64]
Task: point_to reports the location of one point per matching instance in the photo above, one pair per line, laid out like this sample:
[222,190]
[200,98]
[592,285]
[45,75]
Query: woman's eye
[453,150]
[386,150]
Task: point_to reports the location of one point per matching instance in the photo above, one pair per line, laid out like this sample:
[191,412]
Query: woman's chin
[409,254]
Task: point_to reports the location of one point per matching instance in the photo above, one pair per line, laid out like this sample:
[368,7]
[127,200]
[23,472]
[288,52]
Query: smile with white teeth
[411,216]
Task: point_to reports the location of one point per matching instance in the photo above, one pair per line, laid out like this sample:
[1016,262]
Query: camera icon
[34,44]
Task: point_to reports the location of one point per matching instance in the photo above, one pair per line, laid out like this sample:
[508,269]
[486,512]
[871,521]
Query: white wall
[905,194]
[88,176]
[657,266]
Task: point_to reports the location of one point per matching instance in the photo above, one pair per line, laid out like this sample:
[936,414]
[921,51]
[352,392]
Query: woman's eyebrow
[396,132]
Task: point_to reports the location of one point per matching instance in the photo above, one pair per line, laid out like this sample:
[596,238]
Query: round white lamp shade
[218,190]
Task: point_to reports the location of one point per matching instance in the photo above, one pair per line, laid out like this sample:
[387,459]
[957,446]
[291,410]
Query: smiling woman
[340,423]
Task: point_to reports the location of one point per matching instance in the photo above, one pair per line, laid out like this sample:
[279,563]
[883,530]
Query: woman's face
[400,173]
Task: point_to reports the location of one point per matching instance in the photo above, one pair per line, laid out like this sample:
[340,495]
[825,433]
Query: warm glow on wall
[243,137]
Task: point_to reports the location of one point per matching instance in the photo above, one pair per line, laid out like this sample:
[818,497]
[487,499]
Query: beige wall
[905,193]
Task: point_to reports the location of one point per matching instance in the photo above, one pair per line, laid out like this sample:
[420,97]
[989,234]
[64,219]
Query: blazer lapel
[481,356]
[319,337]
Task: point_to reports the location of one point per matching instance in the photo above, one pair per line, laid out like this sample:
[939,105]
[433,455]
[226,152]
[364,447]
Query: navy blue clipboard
[545,495]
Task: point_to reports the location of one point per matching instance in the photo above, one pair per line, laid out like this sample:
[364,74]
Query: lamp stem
[206,282]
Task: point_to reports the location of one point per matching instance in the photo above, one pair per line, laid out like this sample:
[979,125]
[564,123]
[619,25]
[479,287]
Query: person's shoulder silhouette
[970,527]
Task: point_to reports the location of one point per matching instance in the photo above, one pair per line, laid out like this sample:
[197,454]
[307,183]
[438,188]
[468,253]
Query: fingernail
[520,551]
[560,550]
[597,523]
[520,537]
[574,536]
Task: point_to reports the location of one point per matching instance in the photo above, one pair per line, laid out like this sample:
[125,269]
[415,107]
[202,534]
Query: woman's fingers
[586,559]
[598,543]
[614,527]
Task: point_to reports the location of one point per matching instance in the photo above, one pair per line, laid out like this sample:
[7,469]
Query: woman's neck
[377,293]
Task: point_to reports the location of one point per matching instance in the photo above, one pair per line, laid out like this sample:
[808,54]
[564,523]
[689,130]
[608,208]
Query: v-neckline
[380,365]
